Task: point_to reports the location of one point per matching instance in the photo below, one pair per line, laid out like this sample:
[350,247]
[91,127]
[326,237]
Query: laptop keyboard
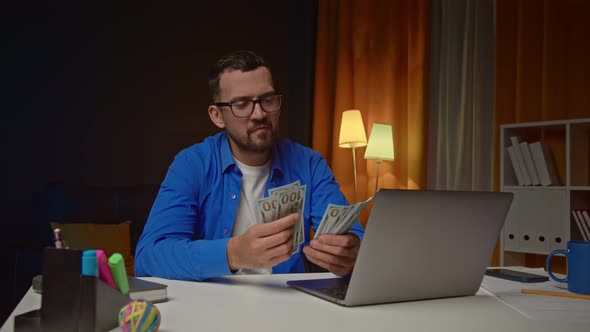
[338,293]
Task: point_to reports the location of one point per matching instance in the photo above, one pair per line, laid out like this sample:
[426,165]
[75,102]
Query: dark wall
[106,94]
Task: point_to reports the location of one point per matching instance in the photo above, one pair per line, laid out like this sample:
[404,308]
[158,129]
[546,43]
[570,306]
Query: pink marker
[104,271]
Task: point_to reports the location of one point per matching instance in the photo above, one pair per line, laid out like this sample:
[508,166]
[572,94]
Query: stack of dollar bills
[283,201]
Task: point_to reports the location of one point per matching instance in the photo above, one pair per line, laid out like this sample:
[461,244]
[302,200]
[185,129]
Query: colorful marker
[117,264]
[104,271]
[89,263]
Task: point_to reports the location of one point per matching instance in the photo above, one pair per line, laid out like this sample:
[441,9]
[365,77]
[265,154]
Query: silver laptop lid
[426,244]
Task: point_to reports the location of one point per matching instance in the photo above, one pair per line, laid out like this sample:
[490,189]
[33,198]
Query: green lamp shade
[380,142]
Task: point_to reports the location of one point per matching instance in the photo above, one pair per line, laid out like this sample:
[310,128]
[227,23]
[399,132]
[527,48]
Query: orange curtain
[373,55]
[541,66]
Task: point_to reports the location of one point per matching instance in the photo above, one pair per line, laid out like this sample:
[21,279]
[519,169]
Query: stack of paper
[539,307]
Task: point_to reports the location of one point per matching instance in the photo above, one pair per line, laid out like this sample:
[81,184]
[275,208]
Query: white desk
[265,303]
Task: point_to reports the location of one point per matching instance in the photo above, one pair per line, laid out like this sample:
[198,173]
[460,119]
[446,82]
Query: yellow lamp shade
[380,143]
[352,130]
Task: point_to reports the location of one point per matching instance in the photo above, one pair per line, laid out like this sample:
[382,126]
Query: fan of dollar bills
[290,198]
[338,219]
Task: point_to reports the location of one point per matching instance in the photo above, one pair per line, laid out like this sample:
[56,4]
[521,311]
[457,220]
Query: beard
[255,142]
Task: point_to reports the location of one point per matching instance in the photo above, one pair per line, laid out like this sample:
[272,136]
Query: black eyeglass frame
[254,102]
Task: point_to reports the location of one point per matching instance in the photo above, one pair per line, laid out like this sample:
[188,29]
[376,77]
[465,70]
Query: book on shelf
[517,155]
[544,164]
[586,222]
[528,161]
[515,166]
[579,220]
[141,289]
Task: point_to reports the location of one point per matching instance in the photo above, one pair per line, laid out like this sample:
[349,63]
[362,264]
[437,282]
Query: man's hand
[335,253]
[263,245]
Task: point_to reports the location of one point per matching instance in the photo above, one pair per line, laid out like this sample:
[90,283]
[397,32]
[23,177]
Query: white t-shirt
[252,189]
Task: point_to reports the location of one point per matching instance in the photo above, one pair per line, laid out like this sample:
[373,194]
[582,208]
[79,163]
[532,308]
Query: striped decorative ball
[139,316]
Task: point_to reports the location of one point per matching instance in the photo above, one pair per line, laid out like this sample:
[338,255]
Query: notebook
[419,244]
[141,289]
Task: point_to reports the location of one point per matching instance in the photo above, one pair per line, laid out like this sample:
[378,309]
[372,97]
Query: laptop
[419,244]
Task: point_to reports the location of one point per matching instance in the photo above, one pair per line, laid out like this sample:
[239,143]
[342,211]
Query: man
[204,222]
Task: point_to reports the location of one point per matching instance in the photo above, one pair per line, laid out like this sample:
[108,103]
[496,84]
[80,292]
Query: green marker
[117,265]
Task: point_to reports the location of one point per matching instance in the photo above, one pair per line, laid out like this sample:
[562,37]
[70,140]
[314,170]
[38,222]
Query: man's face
[253,134]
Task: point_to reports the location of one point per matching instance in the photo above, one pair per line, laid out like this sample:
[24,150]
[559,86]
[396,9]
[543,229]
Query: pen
[117,265]
[550,293]
[58,239]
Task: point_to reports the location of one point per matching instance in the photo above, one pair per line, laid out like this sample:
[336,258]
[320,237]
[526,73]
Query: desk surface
[265,303]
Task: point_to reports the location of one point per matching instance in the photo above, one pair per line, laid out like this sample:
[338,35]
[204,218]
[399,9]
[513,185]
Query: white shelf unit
[540,219]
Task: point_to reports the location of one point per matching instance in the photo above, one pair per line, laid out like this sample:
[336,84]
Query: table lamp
[380,146]
[352,135]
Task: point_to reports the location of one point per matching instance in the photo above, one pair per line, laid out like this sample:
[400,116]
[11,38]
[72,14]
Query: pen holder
[72,302]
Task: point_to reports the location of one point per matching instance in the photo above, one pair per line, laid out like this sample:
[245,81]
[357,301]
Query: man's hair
[238,60]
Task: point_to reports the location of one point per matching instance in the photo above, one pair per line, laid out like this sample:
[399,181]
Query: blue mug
[578,267]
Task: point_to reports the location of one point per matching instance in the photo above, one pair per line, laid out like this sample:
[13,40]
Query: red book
[580,222]
[586,222]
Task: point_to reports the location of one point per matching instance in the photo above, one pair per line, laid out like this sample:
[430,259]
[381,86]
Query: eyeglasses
[244,107]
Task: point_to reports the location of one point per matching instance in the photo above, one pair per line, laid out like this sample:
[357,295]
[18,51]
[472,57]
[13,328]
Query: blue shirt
[191,221]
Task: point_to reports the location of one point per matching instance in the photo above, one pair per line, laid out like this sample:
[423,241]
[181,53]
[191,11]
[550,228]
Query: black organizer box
[71,302]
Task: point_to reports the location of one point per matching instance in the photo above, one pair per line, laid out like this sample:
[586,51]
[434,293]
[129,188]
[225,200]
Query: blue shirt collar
[277,162]
[227,159]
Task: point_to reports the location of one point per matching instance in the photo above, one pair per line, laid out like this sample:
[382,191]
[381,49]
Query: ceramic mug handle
[555,252]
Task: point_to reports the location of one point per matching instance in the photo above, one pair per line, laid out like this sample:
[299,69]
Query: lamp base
[377,176]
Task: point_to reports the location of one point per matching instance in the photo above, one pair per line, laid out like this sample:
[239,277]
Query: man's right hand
[263,245]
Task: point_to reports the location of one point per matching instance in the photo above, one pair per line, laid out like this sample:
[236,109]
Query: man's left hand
[335,253]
